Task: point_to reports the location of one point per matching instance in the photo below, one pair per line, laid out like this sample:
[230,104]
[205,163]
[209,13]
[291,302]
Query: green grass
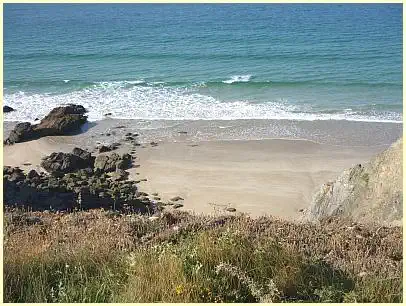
[93,257]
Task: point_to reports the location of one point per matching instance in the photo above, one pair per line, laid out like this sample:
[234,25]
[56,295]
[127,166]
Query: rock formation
[7,109]
[60,121]
[369,193]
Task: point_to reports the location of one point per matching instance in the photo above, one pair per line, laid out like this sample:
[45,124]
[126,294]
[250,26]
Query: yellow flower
[179,289]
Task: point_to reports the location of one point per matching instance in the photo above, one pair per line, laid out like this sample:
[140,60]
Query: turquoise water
[195,61]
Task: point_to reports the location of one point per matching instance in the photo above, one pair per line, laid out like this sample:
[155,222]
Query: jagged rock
[60,121]
[61,163]
[109,163]
[103,149]
[8,109]
[32,174]
[367,193]
[22,131]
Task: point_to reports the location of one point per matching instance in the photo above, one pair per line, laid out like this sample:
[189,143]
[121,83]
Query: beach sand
[259,177]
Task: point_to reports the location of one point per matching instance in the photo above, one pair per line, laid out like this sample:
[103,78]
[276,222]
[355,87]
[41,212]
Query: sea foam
[238,78]
[169,103]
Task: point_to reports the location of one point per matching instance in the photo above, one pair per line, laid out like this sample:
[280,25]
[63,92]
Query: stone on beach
[177,198]
[60,121]
[8,109]
[109,163]
[61,163]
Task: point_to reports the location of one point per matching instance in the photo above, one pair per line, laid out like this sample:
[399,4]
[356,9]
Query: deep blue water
[200,61]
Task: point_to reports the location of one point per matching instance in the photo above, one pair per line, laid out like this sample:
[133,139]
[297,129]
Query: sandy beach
[260,177]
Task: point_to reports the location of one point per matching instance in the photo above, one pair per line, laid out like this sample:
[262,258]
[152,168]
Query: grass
[96,256]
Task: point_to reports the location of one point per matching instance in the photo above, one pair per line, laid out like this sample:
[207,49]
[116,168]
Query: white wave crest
[167,103]
[238,78]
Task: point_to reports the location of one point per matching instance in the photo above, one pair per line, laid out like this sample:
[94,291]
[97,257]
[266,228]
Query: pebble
[230,209]
[177,198]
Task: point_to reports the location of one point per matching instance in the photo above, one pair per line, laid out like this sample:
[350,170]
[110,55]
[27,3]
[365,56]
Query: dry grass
[96,256]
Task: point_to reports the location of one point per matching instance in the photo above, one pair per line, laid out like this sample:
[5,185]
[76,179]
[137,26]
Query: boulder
[21,132]
[32,174]
[8,109]
[369,193]
[60,121]
[61,163]
[109,163]
[108,148]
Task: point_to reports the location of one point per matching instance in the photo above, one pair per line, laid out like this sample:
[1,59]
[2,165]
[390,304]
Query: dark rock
[83,154]
[174,199]
[17,176]
[108,148]
[108,114]
[60,121]
[61,163]
[8,170]
[153,143]
[104,148]
[7,109]
[230,209]
[182,132]
[32,174]
[177,205]
[109,163]
[21,132]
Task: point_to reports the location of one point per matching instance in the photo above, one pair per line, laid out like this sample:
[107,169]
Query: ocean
[302,62]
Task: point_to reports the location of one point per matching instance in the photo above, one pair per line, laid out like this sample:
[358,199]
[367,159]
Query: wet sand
[259,177]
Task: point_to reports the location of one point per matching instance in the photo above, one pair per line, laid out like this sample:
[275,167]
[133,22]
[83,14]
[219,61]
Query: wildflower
[179,289]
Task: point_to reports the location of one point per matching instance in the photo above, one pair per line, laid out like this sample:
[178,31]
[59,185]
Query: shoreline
[258,177]
[340,133]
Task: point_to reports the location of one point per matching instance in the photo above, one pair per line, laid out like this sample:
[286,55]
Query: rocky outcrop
[75,190]
[8,109]
[112,162]
[60,121]
[60,163]
[366,193]
[22,131]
